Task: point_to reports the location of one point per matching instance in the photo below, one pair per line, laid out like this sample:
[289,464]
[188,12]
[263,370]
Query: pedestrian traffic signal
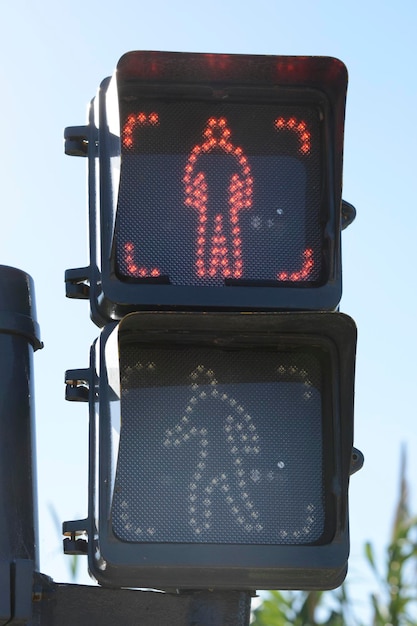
[221,450]
[221,387]
[215,183]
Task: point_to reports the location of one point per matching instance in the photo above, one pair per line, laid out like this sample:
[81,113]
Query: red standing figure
[215,255]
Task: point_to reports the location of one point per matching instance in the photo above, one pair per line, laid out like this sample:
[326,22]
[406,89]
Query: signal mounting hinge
[77,283]
[77,385]
[72,530]
[76,140]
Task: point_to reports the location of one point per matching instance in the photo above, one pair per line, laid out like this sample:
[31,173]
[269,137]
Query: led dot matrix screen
[216,193]
[221,446]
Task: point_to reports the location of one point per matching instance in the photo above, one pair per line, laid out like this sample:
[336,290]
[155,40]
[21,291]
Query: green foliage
[396,598]
[300,608]
[394,603]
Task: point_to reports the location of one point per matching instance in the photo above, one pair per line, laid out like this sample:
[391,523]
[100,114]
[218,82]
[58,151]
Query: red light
[140,119]
[304,272]
[133,269]
[300,128]
[216,136]
[218,62]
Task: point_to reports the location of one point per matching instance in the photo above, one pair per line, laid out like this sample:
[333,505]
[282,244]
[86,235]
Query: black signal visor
[231,438]
[220,182]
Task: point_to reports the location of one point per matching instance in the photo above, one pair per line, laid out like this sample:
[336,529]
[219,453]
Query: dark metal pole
[19,337]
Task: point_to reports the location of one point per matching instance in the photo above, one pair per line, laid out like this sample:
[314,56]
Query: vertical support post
[19,337]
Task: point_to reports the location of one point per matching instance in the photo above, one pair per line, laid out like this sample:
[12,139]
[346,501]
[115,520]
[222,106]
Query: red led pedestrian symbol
[218,240]
[215,255]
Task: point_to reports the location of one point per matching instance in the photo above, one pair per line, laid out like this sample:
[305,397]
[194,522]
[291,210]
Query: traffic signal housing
[214,184]
[221,387]
[221,449]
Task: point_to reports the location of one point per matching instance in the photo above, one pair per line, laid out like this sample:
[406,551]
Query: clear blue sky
[53,57]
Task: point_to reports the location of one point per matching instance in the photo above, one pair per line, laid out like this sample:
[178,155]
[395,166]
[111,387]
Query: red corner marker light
[216,184]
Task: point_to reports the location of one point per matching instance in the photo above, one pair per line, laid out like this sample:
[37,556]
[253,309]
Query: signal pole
[19,337]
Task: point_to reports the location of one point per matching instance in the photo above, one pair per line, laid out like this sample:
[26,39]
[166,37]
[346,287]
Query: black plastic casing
[243,566]
[319,80]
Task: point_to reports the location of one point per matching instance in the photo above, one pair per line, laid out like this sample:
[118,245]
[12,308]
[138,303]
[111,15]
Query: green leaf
[369,554]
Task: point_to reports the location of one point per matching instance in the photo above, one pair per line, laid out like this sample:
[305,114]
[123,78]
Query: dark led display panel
[221,446]
[217,193]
